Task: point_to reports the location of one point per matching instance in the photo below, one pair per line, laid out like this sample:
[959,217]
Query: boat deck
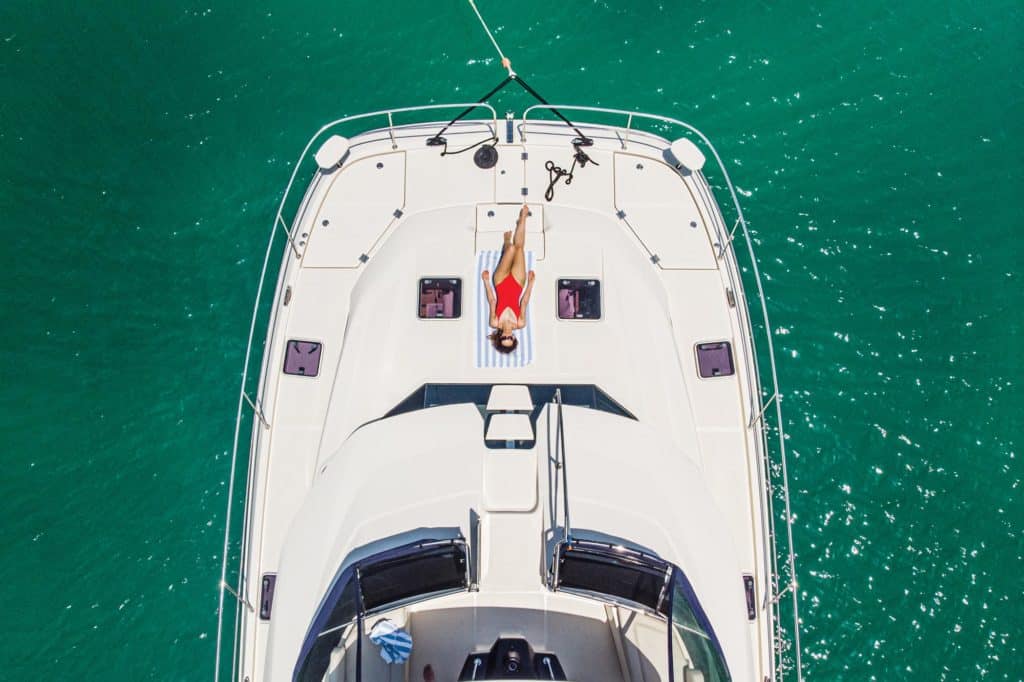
[396,211]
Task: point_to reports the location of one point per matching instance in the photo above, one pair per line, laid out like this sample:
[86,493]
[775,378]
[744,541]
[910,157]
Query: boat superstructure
[597,507]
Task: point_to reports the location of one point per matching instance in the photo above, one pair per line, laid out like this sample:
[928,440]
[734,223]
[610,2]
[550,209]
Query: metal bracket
[526,191]
[363,258]
[398,213]
[621,215]
[525,156]
[655,259]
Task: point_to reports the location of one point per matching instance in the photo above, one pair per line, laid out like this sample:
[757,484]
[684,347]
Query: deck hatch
[440,298]
[302,358]
[579,299]
[715,359]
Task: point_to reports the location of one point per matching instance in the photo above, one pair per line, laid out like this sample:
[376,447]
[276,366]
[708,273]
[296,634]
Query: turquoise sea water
[143,147]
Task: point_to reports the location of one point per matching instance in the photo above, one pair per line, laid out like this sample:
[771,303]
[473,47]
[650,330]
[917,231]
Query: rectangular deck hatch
[440,298]
[715,359]
[302,358]
[579,299]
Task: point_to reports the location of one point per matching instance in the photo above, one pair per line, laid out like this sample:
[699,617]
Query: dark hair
[499,346]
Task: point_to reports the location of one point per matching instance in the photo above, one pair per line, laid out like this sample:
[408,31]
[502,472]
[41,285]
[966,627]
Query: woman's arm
[491,301]
[526,298]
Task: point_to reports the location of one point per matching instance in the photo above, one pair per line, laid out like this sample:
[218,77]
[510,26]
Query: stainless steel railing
[280,224]
[727,252]
[626,135]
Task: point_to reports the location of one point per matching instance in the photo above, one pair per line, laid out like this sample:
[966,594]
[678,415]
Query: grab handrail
[223,587]
[776,396]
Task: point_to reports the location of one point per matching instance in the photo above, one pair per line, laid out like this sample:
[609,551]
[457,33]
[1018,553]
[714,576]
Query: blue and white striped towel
[394,642]
[486,355]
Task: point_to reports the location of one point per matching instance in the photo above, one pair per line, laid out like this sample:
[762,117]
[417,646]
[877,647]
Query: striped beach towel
[394,642]
[486,355]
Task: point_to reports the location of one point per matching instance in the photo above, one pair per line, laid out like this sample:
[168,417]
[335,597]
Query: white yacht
[596,505]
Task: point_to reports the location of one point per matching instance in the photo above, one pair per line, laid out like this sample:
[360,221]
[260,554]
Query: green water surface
[143,147]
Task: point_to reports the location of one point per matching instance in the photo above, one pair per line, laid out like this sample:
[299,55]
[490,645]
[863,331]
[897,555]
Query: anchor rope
[505,61]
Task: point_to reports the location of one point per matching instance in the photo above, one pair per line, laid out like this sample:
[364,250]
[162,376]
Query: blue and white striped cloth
[394,642]
[486,355]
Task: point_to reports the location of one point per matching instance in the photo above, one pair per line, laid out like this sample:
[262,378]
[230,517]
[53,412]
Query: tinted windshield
[615,572]
[431,570]
[692,641]
[416,571]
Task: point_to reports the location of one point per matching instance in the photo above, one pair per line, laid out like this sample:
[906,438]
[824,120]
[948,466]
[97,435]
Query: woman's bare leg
[505,266]
[519,244]
[520,238]
[519,265]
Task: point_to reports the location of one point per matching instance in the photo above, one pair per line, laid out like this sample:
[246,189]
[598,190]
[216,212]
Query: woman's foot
[508,238]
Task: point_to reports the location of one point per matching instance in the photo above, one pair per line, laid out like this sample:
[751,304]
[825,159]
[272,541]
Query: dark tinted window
[429,570]
[328,630]
[617,574]
[581,395]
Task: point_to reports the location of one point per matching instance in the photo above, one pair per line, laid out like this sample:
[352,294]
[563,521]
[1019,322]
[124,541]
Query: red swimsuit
[507,293]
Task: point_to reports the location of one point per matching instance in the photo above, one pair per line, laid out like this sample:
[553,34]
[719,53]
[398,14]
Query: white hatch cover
[361,203]
[687,155]
[659,208]
[509,427]
[509,399]
[331,152]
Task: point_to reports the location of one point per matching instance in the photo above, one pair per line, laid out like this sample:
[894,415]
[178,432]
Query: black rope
[556,173]
[583,139]
[437,140]
[445,152]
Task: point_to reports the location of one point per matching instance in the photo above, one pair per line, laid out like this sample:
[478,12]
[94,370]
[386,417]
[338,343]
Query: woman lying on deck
[507,312]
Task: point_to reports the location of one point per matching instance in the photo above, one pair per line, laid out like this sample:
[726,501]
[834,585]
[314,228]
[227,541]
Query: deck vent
[748,589]
[302,358]
[715,359]
[267,595]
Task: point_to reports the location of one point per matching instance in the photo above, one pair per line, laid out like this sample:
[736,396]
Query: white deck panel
[659,209]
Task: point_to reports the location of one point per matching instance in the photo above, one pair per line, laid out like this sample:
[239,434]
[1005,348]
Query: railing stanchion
[759,415]
[391,131]
[238,597]
[288,236]
[258,411]
[629,127]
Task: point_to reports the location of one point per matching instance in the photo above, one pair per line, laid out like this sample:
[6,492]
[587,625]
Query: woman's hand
[485,275]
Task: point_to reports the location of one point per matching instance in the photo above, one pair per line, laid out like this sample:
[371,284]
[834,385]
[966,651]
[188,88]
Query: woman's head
[504,341]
